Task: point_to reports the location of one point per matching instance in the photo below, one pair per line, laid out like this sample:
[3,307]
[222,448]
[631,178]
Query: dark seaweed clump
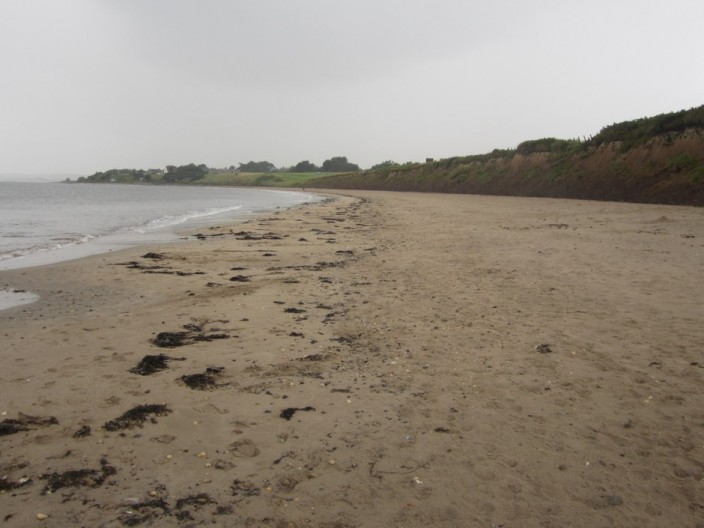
[11,428]
[9,485]
[288,413]
[170,339]
[210,337]
[91,478]
[202,381]
[196,501]
[82,432]
[145,512]
[153,256]
[153,363]
[25,422]
[136,416]
[176,339]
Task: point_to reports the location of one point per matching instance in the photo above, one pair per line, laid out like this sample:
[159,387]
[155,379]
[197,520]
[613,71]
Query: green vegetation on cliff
[253,179]
[640,131]
[654,160]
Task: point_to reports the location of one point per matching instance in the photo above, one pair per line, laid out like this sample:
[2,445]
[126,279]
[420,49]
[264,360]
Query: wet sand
[383,359]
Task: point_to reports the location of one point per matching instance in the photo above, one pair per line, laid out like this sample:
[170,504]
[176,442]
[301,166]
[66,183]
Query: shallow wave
[55,244]
[172,220]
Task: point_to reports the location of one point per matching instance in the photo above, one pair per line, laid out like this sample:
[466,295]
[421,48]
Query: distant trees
[119,176]
[304,166]
[104,177]
[334,164]
[196,173]
[257,166]
[184,173]
[339,164]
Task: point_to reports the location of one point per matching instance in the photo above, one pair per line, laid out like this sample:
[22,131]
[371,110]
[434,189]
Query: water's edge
[11,297]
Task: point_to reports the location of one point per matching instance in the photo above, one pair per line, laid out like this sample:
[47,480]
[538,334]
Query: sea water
[42,223]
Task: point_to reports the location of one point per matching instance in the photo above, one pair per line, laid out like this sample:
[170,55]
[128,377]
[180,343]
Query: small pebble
[42,516]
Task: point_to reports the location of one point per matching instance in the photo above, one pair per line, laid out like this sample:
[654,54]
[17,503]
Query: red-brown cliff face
[668,169]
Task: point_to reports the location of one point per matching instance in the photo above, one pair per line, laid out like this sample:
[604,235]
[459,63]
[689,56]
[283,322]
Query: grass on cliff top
[274,179]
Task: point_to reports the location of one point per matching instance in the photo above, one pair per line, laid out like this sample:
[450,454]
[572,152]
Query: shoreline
[147,224]
[114,243]
[382,359]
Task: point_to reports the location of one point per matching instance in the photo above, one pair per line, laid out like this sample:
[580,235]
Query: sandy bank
[382,360]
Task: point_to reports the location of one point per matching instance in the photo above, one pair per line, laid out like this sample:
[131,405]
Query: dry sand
[382,359]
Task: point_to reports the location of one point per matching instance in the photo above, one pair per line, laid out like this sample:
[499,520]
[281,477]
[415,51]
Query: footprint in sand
[244,448]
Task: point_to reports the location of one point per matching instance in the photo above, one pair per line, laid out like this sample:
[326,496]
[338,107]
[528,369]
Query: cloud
[299,43]
[94,84]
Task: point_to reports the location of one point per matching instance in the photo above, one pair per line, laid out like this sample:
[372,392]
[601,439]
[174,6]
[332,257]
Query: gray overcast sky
[90,85]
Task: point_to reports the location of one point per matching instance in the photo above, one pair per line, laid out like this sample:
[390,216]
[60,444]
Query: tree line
[192,172]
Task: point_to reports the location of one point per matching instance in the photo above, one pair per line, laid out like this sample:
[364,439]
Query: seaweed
[210,337]
[82,432]
[197,501]
[144,512]
[72,478]
[136,416]
[288,413]
[150,364]
[24,422]
[170,339]
[153,256]
[202,381]
[192,334]
[9,485]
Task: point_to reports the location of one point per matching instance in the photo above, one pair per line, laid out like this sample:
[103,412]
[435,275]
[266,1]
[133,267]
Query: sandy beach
[379,359]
